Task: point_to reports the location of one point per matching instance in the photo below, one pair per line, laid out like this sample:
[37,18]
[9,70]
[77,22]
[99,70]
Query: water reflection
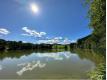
[20,53]
[30,66]
[48,64]
[55,56]
[95,56]
[1,67]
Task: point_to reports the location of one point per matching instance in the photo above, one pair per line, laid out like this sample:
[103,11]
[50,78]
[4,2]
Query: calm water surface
[46,65]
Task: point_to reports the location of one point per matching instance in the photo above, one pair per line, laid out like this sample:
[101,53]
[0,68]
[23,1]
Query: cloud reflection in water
[1,67]
[30,66]
[55,56]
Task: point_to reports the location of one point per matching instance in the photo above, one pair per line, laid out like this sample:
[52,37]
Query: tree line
[19,45]
[14,45]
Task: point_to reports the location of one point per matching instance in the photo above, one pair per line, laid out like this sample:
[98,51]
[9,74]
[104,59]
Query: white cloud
[57,40]
[26,35]
[50,41]
[66,41]
[34,33]
[45,39]
[24,41]
[73,41]
[4,31]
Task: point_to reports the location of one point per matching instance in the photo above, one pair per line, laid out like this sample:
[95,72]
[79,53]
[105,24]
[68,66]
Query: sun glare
[34,8]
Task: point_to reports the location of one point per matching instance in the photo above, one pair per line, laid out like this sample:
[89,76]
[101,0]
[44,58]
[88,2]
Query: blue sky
[55,19]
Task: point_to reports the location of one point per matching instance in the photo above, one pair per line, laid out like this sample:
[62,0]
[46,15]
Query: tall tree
[97,14]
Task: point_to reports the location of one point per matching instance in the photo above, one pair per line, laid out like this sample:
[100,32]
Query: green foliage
[99,73]
[97,15]
[14,45]
[59,46]
[97,40]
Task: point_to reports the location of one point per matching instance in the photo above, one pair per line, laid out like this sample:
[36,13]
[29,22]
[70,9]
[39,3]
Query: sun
[34,8]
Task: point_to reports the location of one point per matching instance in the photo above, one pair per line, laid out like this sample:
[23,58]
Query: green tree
[97,15]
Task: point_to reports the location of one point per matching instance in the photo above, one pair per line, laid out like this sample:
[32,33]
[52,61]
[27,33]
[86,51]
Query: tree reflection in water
[49,56]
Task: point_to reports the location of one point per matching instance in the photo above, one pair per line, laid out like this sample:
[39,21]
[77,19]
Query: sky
[48,21]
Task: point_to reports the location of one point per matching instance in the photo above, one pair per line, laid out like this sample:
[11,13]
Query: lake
[48,64]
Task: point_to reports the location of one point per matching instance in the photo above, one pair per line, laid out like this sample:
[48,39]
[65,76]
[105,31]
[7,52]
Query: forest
[19,45]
